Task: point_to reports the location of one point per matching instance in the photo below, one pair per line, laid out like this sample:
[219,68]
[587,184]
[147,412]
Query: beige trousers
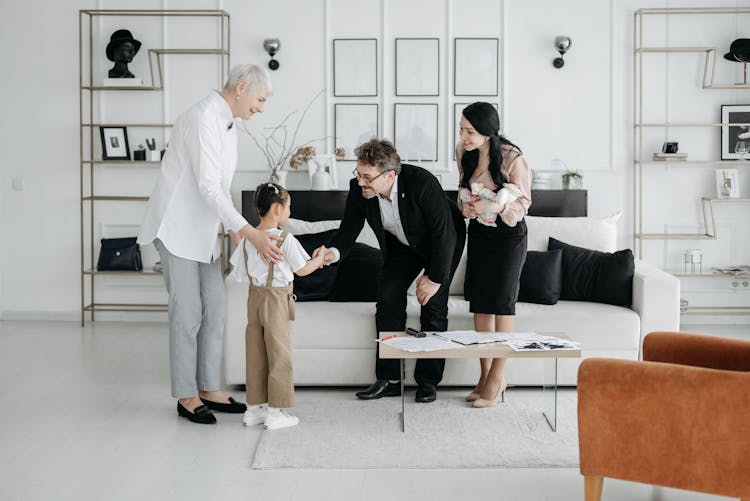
[268,346]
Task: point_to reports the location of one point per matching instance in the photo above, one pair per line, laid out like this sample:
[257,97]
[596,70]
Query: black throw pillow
[358,278]
[541,277]
[317,285]
[600,277]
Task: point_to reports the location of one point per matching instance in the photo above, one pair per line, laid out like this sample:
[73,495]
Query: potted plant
[154,155]
[140,153]
[572,180]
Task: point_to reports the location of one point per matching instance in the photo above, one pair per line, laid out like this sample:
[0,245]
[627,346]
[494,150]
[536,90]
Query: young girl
[270,311]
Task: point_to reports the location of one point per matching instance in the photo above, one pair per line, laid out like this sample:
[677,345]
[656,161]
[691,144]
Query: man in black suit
[417,228]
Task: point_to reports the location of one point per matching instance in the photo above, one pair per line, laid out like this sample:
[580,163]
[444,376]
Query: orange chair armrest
[698,350]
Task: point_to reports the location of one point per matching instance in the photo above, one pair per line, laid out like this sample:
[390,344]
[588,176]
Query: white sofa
[333,342]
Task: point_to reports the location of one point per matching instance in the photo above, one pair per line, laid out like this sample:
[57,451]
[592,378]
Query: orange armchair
[680,418]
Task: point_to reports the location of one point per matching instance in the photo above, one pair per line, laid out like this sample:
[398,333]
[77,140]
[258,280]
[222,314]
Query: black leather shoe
[201,414]
[426,393]
[233,407]
[381,388]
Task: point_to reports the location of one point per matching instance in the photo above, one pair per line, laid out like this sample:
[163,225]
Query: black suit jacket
[429,219]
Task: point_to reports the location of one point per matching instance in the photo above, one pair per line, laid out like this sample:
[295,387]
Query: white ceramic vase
[281,177]
[320,180]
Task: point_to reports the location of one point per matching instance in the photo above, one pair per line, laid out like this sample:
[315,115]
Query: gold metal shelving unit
[641,163]
[88,124]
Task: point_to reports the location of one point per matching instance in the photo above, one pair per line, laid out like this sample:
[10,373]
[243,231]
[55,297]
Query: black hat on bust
[119,37]
[739,51]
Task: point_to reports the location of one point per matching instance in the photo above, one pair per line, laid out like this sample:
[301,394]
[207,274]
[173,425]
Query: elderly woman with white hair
[189,203]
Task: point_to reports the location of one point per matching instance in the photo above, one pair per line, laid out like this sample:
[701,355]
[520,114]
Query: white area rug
[338,431]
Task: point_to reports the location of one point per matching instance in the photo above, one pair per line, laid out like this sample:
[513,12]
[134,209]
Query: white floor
[86,414]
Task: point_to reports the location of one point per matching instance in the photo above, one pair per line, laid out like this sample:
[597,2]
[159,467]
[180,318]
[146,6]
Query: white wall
[581,114]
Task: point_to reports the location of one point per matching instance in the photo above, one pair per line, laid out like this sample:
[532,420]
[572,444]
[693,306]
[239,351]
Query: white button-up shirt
[192,196]
[390,216]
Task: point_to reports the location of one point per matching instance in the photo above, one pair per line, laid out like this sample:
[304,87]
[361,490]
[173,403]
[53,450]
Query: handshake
[507,194]
[323,255]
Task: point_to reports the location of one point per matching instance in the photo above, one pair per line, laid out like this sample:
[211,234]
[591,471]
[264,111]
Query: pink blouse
[515,170]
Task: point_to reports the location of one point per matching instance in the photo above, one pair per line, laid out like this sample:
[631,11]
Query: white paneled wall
[581,114]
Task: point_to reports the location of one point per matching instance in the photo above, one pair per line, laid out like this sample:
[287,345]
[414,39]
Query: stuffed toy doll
[507,194]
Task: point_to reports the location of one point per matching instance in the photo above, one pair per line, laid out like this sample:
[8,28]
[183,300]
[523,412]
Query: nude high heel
[482,403]
[473,396]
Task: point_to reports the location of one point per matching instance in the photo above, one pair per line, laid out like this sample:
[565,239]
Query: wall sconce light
[272,46]
[562,45]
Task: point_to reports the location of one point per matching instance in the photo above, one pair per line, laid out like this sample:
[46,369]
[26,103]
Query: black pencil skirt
[495,257]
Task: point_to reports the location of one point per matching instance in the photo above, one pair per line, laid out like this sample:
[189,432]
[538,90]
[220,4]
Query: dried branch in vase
[277,147]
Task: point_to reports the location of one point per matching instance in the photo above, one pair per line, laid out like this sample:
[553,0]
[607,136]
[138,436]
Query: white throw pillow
[301,227]
[589,232]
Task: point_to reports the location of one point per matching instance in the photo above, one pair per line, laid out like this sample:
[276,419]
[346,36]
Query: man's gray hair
[256,78]
[380,153]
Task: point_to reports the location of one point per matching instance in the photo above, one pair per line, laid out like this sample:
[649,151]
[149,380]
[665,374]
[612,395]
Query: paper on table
[474,337]
[412,344]
[542,343]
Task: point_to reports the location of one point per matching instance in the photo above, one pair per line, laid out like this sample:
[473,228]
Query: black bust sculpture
[121,49]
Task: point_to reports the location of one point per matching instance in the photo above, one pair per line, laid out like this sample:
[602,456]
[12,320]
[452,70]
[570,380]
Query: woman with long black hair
[496,249]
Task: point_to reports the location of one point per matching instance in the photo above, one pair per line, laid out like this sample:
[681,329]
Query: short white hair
[256,78]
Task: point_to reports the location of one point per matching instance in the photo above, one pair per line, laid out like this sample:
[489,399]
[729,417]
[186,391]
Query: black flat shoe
[381,388]
[426,393]
[233,407]
[201,415]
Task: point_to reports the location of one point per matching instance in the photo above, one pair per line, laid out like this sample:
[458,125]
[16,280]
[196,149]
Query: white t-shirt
[283,272]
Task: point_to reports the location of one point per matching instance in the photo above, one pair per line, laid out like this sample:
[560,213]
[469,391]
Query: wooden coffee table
[489,350]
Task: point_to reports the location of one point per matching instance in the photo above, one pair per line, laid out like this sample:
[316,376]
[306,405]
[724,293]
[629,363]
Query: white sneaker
[255,414]
[279,418]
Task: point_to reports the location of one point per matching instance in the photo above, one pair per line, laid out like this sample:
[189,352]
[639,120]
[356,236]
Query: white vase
[281,175]
[153,155]
[320,180]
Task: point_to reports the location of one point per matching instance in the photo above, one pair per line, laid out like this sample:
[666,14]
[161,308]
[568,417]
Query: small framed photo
[727,183]
[475,67]
[417,67]
[415,130]
[458,109]
[355,67]
[354,124]
[114,143]
[735,139]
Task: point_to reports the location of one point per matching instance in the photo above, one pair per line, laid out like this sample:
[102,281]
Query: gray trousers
[196,322]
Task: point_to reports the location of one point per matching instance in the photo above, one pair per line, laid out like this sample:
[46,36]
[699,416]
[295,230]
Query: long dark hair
[483,117]
[267,194]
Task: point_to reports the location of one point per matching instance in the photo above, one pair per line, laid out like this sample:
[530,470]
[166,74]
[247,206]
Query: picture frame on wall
[727,183]
[355,67]
[114,143]
[475,66]
[458,109]
[417,67]
[415,129]
[735,139]
[354,124]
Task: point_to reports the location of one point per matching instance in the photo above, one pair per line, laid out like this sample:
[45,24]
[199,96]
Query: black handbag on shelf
[119,254]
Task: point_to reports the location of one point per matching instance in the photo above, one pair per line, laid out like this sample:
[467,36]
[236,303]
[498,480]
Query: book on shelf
[742,270]
[123,82]
[669,157]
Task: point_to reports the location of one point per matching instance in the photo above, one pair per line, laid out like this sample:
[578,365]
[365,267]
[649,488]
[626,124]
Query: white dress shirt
[295,258]
[390,216]
[192,198]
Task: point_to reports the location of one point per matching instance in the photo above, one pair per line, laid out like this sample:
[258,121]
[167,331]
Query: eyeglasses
[367,179]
